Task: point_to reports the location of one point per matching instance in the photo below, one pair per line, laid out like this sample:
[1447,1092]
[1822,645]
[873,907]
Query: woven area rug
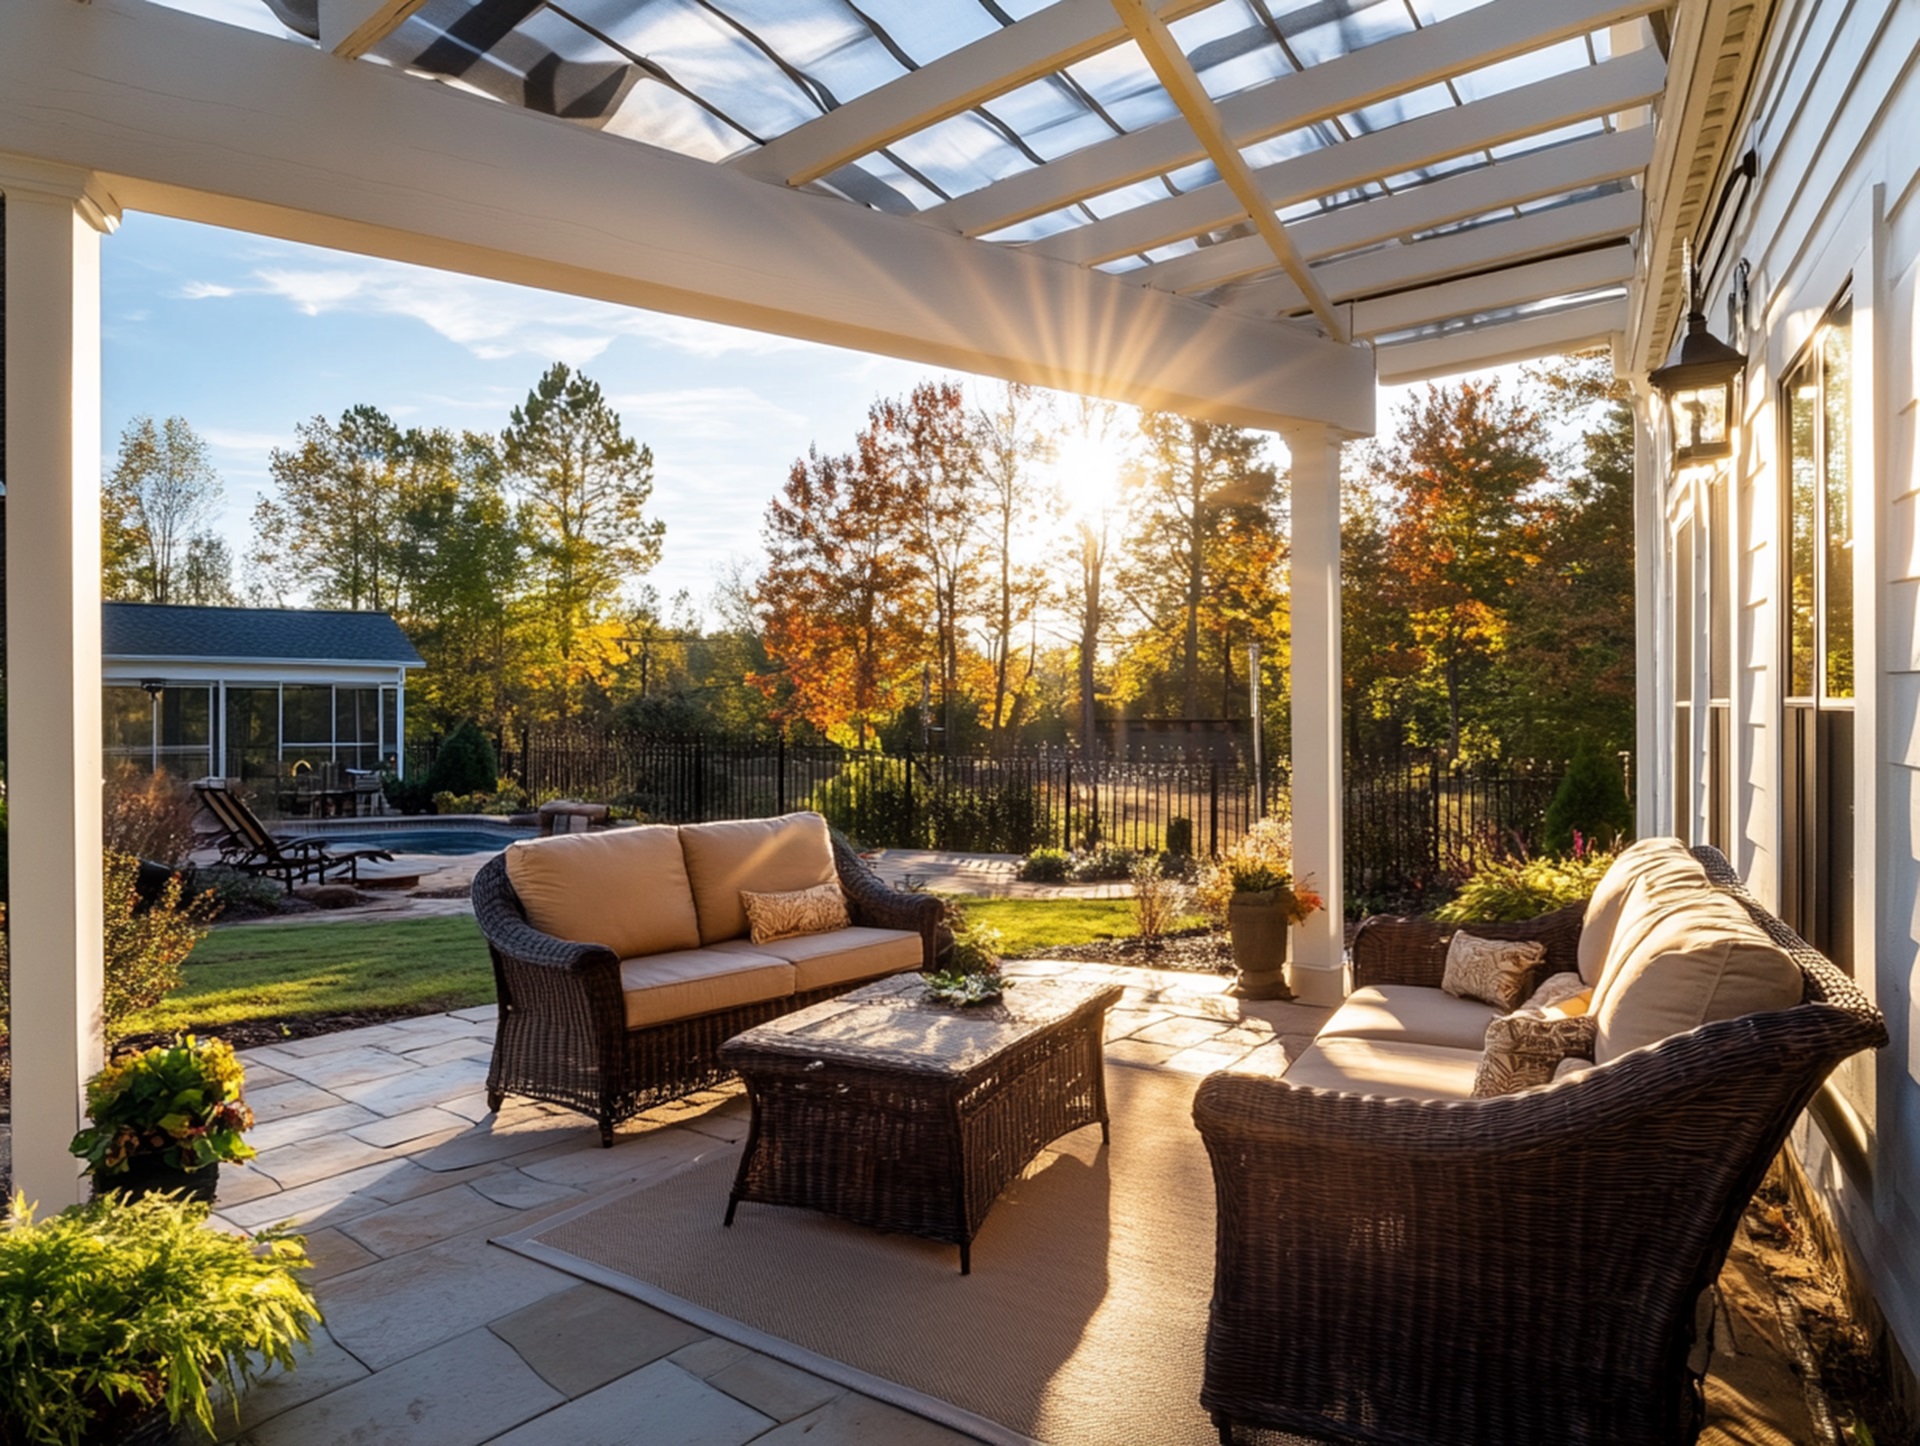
[1082,1324]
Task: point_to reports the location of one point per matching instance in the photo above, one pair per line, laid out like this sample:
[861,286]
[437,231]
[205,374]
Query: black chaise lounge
[248,846]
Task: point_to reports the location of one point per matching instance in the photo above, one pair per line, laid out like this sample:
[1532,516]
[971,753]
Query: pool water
[447,842]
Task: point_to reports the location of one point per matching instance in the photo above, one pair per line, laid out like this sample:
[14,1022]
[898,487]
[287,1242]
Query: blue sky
[246,337]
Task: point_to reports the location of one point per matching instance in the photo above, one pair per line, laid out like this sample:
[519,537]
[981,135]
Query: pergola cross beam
[1177,74]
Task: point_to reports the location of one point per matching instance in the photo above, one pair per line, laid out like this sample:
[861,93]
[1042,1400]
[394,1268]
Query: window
[1817,788]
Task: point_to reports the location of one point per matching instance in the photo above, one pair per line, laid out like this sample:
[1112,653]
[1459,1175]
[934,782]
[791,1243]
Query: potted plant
[1262,902]
[165,1119]
[972,969]
[119,1318]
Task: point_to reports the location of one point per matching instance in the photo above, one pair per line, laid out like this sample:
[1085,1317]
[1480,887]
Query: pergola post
[54,220]
[1314,691]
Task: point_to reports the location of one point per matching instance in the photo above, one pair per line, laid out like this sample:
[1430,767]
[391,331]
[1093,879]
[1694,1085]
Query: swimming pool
[448,842]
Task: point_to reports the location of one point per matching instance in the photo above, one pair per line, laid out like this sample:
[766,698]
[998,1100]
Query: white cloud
[491,319]
[710,413]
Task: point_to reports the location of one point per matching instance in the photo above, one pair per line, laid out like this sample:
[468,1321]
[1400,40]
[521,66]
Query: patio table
[890,1109]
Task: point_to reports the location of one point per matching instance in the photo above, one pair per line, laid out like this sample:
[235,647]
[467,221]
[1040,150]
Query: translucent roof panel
[901,85]
[1231,48]
[962,153]
[1122,84]
[1351,26]
[1523,70]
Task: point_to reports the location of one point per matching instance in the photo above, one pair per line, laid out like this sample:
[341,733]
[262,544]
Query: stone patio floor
[378,1145]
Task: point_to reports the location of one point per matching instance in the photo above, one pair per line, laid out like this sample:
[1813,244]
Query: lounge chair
[246,845]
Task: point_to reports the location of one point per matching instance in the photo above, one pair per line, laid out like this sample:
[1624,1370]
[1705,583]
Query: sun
[1087,469]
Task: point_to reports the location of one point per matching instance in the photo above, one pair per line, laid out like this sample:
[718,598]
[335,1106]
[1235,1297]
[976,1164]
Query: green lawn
[271,971]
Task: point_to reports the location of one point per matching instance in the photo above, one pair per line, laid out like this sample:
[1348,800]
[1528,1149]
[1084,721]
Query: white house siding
[1833,116]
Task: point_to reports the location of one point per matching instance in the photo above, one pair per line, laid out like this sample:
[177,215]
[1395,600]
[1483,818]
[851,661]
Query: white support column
[1314,693]
[54,221]
[1653,696]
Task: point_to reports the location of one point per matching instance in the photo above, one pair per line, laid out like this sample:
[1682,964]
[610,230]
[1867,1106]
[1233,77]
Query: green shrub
[869,799]
[409,795]
[1180,837]
[466,763]
[1103,863]
[237,893]
[1591,802]
[146,947]
[180,1102]
[1515,889]
[1159,896]
[115,1306]
[148,815]
[1046,866]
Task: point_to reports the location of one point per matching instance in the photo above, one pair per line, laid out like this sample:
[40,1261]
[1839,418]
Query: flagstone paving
[381,1151]
[378,1147]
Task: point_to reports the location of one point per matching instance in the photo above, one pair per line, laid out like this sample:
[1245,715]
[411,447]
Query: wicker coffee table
[886,1108]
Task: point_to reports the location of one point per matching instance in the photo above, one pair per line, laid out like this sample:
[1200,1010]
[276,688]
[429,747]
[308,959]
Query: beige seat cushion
[625,888]
[1411,1014]
[1660,866]
[660,988]
[1387,1068]
[1690,966]
[821,961]
[766,855]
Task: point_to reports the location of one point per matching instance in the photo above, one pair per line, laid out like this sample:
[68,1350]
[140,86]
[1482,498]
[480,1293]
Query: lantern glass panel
[1700,417]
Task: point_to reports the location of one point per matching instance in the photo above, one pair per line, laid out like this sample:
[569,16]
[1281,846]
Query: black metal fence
[1414,824]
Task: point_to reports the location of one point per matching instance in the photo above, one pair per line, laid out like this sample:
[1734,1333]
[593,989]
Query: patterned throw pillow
[1560,996]
[1494,971]
[1523,1050]
[803,911]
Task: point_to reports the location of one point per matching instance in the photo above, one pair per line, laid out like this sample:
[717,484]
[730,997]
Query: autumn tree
[206,573]
[837,602]
[581,485]
[333,525]
[1013,437]
[926,443]
[463,562]
[1463,468]
[1090,451]
[1203,551]
[161,492]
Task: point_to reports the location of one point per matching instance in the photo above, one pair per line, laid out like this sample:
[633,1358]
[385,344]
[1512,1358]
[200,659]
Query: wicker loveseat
[1399,1263]
[644,969]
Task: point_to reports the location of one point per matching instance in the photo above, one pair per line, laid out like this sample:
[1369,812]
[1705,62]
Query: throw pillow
[1523,1050]
[1494,971]
[1560,996]
[802,911]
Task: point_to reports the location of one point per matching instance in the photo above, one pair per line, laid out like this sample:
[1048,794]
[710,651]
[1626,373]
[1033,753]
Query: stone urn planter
[1261,926]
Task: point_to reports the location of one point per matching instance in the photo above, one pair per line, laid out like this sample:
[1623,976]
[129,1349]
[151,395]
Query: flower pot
[1262,936]
[151,1175]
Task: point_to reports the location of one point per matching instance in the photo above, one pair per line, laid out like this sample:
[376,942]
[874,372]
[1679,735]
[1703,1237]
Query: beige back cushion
[625,888]
[1690,966]
[1660,864]
[766,855]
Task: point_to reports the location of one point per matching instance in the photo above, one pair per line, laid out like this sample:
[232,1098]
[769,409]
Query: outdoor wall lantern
[1699,392]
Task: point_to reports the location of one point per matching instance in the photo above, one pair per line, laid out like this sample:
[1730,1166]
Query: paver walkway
[377,1142]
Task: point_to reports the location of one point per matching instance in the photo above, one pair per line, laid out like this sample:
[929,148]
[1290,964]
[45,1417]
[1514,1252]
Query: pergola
[1240,210]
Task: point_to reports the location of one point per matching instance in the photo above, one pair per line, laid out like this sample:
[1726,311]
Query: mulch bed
[1192,951]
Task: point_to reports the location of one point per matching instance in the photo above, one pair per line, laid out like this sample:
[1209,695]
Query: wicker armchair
[563,1037]
[1519,1269]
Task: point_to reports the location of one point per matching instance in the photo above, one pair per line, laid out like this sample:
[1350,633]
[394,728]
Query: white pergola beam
[1481,36]
[1567,168]
[1526,110]
[1482,248]
[1511,286]
[194,119]
[1009,58]
[1593,324]
[350,28]
[1176,73]
[53,222]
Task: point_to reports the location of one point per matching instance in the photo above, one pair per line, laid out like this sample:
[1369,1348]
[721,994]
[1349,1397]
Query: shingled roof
[255,635]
